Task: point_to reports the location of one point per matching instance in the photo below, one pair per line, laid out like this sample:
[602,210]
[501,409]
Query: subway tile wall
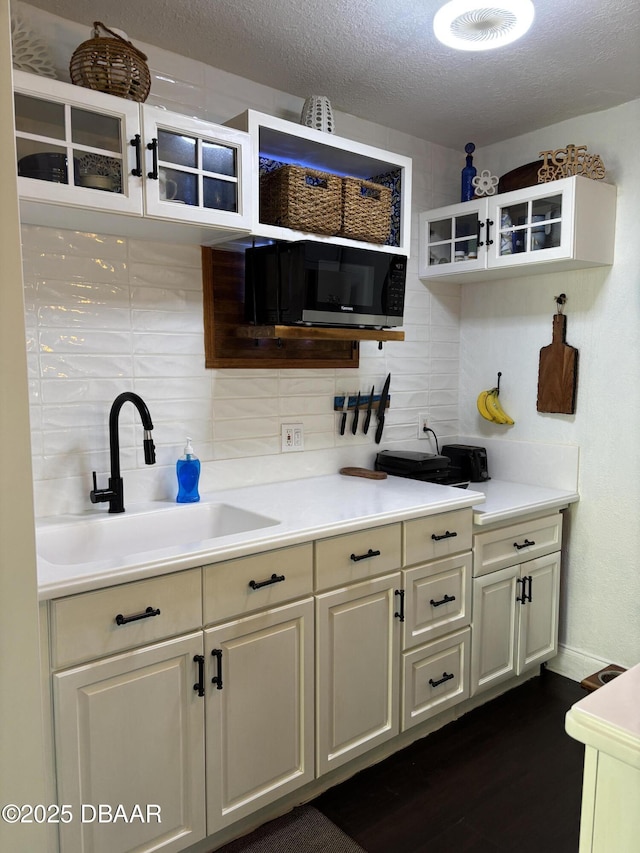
[106,314]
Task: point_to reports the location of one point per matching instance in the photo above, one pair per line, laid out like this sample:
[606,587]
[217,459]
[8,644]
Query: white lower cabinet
[259,723]
[130,750]
[436,637]
[435,677]
[358,642]
[515,620]
[185,702]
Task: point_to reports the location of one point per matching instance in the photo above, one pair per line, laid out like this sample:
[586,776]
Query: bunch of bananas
[490,408]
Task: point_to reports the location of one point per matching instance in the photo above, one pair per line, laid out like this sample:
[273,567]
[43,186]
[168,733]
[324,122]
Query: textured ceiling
[379,59]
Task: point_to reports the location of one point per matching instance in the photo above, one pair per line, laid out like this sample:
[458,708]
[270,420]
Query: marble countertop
[301,510]
[609,718]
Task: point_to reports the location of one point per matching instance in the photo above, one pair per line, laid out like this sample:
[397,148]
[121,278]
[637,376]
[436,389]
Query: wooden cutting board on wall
[558,372]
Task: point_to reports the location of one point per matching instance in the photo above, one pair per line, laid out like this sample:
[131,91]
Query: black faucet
[115,493]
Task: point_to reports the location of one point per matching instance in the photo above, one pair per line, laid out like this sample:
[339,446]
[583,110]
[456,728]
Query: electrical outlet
[423,423]
[292,438]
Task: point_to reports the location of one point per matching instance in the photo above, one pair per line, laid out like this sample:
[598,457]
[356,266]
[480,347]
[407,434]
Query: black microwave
[322,284]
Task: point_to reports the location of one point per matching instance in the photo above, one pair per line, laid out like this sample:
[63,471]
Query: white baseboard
[574,664]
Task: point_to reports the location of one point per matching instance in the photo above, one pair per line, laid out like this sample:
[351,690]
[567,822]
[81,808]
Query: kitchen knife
[367,419]
[345,407]
[382,405]
[356,414]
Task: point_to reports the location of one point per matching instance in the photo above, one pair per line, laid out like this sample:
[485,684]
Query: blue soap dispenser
[188,472]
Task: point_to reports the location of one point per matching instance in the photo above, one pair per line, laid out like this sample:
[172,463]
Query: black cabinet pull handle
[446,535]
[446,676]
[480,227]
[400,613]
[217,679]
[526,544]
[528,595]
[199,685]
[273,579]
[370,553]
[489,224]
[153,147]
[123,620]
[137,172]
[445,600]
[522,598]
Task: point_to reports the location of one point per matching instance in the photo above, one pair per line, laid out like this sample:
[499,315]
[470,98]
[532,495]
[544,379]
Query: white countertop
[609,718]
[303,510]
[506,500]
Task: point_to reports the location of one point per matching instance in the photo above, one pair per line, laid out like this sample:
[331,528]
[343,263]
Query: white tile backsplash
[106,314]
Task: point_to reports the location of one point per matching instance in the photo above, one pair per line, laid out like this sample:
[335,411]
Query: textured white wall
[504,325]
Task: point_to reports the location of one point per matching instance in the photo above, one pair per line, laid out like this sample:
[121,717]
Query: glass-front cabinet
[194,169]
[563,224]
[72,145]
[84,149]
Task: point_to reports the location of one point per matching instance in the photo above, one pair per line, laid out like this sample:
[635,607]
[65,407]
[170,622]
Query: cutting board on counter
[558,372]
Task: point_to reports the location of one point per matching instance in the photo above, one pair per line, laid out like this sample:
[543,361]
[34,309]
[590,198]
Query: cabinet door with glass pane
[532,225]
[76,146]
[195,170]
[453,239]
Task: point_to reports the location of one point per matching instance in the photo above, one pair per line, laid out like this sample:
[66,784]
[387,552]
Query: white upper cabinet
[277,142]
[80,150]
[73,145]
[194,170]
[560,225]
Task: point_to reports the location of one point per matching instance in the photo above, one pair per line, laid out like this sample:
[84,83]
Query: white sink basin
[186,527]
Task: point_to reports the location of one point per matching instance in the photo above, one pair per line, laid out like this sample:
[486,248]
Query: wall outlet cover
[292,438]
[423,422]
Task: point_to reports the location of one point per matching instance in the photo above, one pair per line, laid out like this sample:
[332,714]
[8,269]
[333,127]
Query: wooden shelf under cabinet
[230,341]
[315,333]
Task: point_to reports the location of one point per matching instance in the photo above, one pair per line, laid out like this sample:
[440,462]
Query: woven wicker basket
[111,65]
[366,211]
[302,199]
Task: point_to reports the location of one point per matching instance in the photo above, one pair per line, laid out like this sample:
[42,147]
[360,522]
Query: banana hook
[499,375]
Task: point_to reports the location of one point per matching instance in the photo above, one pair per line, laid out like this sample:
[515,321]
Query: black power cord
[428,429]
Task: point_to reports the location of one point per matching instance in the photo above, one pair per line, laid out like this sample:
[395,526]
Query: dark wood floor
[503,778]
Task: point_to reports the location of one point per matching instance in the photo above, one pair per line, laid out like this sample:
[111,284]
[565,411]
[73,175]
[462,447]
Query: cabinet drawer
[86,626]
[437,599]
[508,546]
[357,556]
[241,586]
[437,536]
[435,677]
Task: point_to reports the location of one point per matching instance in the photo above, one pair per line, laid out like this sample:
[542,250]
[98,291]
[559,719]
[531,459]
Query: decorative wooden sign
[569,161]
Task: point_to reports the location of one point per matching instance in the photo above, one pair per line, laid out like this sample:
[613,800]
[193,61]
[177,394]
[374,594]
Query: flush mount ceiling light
[467,25]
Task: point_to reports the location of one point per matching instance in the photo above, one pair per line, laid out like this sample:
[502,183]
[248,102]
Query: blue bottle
[188,472]
[468,174]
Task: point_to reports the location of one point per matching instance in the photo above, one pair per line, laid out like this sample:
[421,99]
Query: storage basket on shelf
[366,211]
[302,199]
[112,65]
